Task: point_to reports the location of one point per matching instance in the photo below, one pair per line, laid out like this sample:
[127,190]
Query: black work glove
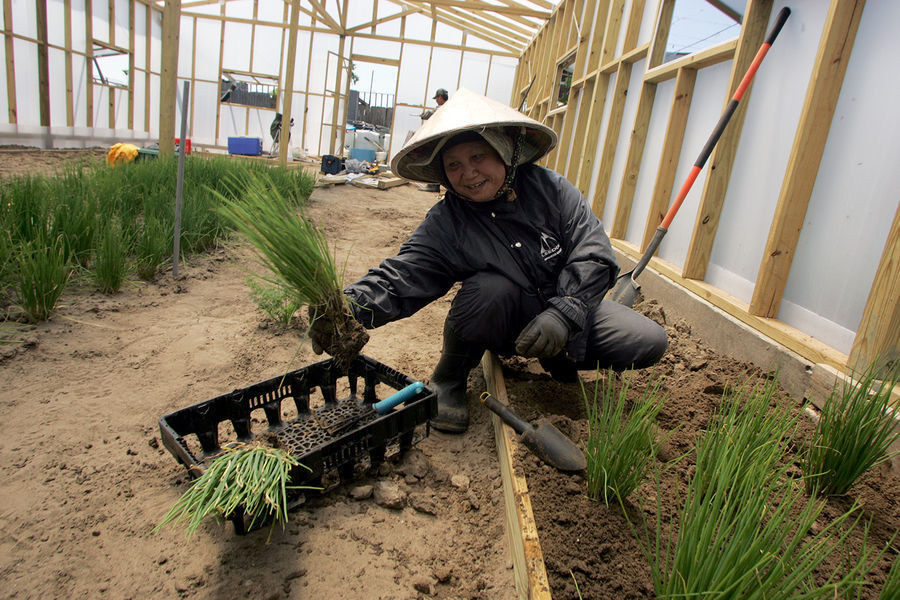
[545,336]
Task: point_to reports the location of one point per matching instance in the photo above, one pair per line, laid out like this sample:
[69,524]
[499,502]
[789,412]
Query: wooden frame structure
[610,53]
[594,36]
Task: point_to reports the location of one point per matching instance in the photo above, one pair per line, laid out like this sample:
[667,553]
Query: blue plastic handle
[403,395]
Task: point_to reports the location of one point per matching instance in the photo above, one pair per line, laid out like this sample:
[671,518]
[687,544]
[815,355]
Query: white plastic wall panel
[774,105]
[418,27]
[444,34]
[300,62]
[139,104]
[235,53]
[122,22]
[474,72]
[153,98]
[710,92]
[406,121]
[56,26]
[101,106]
[100,20]
[4,99]
[320,61]
[274,12]
[389,28]
[413,64]
[503,75]
[379,48]
[27,88]
[856,191]
[155,44]
[79,94]
[56,66]
[140,38]
[653,146]
[186,48]
[623,27]
[648,22]
[231,121]
[209,34]
[444,73]
[313,122]
[266,50]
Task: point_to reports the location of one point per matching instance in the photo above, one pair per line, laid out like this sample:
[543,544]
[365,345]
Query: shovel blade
[626,290]
[550,445]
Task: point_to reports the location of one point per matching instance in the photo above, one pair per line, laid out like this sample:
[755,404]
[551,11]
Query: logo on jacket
[549,247]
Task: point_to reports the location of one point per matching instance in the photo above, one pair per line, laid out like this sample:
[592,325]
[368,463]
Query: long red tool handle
[708,148]
[726,116]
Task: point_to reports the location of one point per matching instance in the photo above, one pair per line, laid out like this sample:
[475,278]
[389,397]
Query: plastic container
[363,154]
[331,440]
[248,146]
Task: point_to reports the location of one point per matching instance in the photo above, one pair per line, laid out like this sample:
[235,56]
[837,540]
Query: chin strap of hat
[506,190]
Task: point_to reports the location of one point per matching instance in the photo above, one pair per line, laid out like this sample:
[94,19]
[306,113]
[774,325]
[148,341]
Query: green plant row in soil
[102,224]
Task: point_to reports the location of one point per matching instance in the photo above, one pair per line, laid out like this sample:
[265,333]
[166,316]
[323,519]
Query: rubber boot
[449,380]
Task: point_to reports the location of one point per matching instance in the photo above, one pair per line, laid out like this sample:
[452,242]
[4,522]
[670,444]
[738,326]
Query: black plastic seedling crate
[330,440]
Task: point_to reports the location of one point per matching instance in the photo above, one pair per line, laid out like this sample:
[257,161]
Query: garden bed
[584,542]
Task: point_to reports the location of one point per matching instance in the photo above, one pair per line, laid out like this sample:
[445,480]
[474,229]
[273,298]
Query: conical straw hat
[468,111]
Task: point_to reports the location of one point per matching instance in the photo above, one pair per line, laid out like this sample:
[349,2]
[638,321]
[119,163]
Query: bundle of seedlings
[300,260]
[252,478]
[621,445]
[855,430]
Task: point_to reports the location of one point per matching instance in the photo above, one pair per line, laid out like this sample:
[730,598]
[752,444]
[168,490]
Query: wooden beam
[789,337]
[148,37]
[89,61]
[502,10]
[633,159]
[527,558]
[168,76]
[512,52]
[335,113]
[288,83]
[70,86]
[375,22]
[219,82]
[614,125]
[633,29]
[878,334]
[132,7]
[699,60]
[508,42]
[727,10]
[822,94]
[721,161]
[111,91]
[226,19]
[375,59]
[43,63]
[322,12]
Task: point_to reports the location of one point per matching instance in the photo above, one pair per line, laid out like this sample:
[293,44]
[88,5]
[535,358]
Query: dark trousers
[490,311]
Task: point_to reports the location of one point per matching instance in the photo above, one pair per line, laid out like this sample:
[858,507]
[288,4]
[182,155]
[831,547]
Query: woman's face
[475,170]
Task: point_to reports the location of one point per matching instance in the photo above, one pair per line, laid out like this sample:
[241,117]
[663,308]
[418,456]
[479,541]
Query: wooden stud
[168,76]
[633,29]
[288,98]
[111,90]
[132,7]
[70,108]
[89,61]
[219,83]
[878,334]
[528,560]
[10,63]
[252,56]
[43,63]
[147,39]
[822,94]
[614,124]
[190,132]
[336,107]
[306,93]
[721,161]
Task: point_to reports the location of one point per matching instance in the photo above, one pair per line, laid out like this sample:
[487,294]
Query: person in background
[533,259]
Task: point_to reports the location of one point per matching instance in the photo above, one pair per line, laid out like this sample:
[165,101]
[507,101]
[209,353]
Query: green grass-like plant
[110,262]
[855,429]
[275,301]
[152,248]
[250,477]
[43,274]
[299,260]
[745,529]
[891,588]
[620,445]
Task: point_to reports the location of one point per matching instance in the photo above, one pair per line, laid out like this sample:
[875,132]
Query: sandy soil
[85,477]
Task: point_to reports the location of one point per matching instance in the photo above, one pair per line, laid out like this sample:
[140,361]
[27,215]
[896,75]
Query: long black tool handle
[519,424]
[780,20]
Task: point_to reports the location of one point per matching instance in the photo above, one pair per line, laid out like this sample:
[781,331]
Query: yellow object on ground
[121,153]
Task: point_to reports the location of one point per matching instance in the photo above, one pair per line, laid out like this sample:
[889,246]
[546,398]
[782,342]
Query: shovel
[546,441]
[626,287]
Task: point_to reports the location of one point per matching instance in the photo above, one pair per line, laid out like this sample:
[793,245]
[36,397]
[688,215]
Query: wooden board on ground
[378,183]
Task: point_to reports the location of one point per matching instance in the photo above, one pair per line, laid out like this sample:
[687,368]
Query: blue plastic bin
[248,146]
[366,154]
